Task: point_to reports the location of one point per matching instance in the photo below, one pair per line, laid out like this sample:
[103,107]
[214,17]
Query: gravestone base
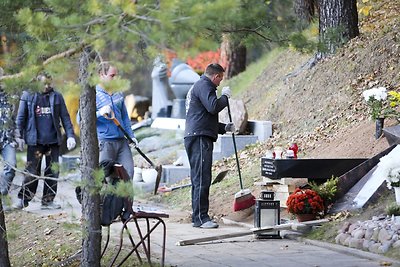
[172,174]
[223,148]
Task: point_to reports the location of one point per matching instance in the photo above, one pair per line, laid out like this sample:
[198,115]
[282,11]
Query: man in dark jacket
[40,115]
[201,131]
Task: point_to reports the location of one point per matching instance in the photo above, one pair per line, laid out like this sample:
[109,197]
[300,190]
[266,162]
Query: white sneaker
[50,206]
[209,225]
[21,204]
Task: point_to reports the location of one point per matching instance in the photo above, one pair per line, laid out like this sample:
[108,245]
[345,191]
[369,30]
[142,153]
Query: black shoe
[21,204]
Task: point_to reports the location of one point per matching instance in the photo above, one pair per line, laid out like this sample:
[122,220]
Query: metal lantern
[267,213]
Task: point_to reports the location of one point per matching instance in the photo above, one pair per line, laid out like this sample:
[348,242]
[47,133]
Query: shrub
[327,191]
[393,209]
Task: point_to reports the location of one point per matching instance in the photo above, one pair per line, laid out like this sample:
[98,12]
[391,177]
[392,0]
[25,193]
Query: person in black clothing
[201,131]
[40,115]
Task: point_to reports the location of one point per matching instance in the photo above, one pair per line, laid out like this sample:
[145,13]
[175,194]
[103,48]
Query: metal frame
[144,237]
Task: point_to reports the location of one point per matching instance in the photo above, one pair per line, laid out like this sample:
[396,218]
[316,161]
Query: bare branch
[97,21]
[13,76]
[149,19]
[247,30]
[64,54]
[180,19]
[144,36]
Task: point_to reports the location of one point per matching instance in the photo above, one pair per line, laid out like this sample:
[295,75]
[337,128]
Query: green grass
[243,80]
[326,232]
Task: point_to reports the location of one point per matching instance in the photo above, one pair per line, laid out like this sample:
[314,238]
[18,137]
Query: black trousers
[199,150]
[35,155]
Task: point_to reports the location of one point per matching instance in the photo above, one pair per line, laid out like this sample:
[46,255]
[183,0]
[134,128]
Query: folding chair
[143,234]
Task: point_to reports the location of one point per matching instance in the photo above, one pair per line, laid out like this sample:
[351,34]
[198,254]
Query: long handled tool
[293,226]
[220,176]
[165,189]
[157,168]
[243,199]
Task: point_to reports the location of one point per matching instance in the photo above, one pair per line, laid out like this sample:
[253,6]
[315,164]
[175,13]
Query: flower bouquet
[305,201]
[376,98]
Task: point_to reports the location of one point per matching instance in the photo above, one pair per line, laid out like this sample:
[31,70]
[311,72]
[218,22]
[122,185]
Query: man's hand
[20,143]
[226,91]
[135,142]
[105,111]
[230,127]
[71,143]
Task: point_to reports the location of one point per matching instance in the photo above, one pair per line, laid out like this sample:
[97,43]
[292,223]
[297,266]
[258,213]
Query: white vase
[397,194]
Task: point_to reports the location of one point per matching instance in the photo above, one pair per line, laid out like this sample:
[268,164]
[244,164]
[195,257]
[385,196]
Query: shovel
[157,168]
[165,189]
[220,176]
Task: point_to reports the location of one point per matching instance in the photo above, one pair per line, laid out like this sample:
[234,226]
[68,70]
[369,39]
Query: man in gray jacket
[40,115]
[201,131]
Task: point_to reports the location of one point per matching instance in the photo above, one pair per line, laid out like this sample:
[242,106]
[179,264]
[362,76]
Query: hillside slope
[322,108]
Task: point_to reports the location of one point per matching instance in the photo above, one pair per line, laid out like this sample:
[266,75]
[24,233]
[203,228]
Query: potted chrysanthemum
[306,204]
[376,101]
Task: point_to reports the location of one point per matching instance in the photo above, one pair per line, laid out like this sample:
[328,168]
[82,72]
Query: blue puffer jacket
[107,129]
[202,108]
[26,123]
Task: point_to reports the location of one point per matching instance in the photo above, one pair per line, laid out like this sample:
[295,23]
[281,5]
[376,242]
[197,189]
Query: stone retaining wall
[377,235]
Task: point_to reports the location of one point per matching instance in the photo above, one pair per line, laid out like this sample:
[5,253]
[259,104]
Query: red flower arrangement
[304,201]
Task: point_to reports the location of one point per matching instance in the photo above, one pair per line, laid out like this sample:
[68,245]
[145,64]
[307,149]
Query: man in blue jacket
[201,131]
[112,143]
[40,115]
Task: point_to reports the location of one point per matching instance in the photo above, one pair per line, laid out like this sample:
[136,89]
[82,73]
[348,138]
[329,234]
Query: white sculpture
[160,86]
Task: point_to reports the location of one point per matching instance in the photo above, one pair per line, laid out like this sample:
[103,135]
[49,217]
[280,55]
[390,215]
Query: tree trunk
[233,56]
[338,23]
[305,9]
[91,243]
[4,257]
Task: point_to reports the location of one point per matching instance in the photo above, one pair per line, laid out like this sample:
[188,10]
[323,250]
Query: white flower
[376,93]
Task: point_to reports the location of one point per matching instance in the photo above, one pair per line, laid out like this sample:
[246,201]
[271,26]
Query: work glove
[135,143]
[226,91]
[230,127]
[71,143]
[20,143]
[105,111]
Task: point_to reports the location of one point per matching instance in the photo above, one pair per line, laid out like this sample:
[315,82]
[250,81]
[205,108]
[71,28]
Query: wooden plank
[293,226]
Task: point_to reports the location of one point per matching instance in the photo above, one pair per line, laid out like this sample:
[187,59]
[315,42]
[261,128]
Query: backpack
[111,205]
